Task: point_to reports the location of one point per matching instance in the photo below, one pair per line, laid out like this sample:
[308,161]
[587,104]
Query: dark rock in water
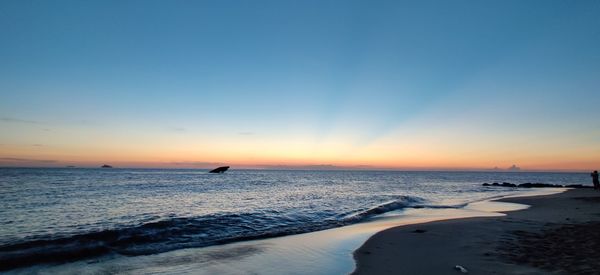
[106,166]
[529,185]
[579,186]
[219,170]
[419,231]
[536,185]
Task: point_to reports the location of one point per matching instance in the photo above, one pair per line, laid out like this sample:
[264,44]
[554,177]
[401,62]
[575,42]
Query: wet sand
[558,234]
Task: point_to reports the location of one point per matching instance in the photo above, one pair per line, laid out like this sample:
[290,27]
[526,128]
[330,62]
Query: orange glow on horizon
[417,151]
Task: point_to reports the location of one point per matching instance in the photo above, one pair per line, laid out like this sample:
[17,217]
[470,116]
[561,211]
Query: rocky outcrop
[504,184]
[536,185]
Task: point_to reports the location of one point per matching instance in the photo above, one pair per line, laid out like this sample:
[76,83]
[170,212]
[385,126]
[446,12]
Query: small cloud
[29,160]
[18,120]
[37,145]
[246,133]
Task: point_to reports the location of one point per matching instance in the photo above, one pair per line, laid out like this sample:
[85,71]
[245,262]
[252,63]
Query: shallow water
[73,213]
[321,252]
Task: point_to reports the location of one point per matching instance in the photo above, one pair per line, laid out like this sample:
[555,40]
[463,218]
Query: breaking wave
[184,232]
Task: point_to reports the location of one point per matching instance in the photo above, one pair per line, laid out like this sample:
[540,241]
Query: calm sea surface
[54,215]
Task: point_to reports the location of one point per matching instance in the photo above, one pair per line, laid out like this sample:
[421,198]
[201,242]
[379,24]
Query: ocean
[56,215]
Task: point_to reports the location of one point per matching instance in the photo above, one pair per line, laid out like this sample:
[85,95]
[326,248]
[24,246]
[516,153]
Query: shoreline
[320,252]
[493,245]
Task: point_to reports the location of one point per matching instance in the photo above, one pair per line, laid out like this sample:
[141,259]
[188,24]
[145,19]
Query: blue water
[57,215]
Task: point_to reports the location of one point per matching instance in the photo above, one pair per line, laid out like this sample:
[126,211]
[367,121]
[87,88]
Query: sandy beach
[558,234]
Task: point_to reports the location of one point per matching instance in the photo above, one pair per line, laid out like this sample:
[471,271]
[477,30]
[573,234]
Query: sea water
[62,215]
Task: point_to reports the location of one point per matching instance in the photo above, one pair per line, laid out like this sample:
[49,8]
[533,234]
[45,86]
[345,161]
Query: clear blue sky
[379,77]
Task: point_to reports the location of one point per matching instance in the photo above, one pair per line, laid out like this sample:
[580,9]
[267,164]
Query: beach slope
[558,234]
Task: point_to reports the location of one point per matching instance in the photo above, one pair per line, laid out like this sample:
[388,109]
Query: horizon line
[310,168]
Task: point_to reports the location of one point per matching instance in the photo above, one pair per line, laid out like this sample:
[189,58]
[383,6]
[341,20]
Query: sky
[357,84]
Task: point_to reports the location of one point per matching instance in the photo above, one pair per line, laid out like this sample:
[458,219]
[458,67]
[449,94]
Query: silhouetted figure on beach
[595,180]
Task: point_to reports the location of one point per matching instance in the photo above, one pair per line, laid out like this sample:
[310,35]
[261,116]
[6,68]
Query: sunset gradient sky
[358,84]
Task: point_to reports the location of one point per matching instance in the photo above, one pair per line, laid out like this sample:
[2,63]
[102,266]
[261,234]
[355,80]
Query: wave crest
[177,233]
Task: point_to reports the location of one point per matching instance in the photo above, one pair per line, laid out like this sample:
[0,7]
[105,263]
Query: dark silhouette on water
[536,185]
[219,170]
[514,168]
[595,179]
[106,166]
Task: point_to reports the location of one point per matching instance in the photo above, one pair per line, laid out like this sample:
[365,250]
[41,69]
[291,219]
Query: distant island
[514,168]
[106,166]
